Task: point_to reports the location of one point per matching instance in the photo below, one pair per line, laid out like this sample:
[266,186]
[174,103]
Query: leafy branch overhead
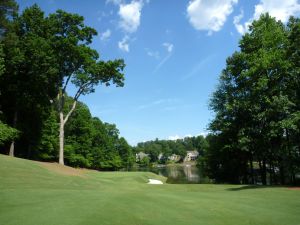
[93,73]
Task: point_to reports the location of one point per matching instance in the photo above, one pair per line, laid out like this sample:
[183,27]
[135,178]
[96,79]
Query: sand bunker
[153,181]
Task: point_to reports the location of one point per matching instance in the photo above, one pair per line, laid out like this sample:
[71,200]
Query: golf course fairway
[34,193]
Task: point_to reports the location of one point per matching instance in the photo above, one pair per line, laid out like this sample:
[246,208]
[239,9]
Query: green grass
[31,194]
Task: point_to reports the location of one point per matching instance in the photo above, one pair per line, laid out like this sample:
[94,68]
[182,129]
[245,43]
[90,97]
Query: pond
[178,173]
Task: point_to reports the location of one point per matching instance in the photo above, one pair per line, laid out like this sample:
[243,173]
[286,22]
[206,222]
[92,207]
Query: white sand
[152,181]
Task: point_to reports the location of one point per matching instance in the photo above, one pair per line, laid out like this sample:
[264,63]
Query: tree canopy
[39,56]
[256,125]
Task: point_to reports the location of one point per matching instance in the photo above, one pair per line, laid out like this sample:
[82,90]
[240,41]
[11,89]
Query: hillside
[42,193]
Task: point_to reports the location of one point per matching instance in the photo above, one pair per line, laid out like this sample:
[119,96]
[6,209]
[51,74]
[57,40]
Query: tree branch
[65,86]
[80,90]
[70,112]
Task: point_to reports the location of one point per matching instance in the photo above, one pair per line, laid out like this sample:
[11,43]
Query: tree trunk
[263,174]
[12,149]
[290,156]
[282,172]
[12,145]
[62,122]
[271,172]
[251,169]
[61,138]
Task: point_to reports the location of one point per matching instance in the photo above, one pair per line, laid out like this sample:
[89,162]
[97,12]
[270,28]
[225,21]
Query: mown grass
[31,194]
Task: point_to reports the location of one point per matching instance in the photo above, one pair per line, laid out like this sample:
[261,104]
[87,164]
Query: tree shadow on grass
[250,187]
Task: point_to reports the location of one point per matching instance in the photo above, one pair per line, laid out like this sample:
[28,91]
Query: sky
[174,52]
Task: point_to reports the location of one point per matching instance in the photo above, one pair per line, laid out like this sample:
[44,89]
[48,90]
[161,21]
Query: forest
[39,57]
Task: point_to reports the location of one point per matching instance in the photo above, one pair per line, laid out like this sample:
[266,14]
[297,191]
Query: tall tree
[8,11]
[2,66]
[255,103]
[30,69]
[78,63]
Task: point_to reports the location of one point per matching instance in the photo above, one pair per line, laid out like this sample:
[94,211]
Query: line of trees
[169,147]
[39,57]
[256,130]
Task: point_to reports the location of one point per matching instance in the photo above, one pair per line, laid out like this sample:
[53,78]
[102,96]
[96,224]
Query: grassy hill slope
[49,194]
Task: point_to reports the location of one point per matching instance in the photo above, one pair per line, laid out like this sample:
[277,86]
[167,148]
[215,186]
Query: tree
[8,11]
[27,84]
[7,133]
[78,63]
[47,145]
[125,152]
[255,105]
[2,66]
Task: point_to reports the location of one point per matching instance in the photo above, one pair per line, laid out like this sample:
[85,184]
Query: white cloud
[279,9]
[168,101]
[115,2]
[175,137]
[236,21]
[209,15]
[204,134]
[168,46]
[104,15]
[130,15]
[162,62]
[154,54]
[200,67]
[105,35]
[124,45]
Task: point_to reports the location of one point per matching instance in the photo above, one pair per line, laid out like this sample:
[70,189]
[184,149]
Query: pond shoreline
[177,173]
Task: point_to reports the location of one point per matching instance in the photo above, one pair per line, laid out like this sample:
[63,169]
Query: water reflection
[183,174]
[178,174]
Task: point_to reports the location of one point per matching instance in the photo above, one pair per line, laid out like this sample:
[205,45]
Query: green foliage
[125,152]
[2,66]
[145,161]
[27,84]
[93,144]
[7,133]
[47,148]
[8,11]
[39,56]
[169,147]
[76,61]
[257,107]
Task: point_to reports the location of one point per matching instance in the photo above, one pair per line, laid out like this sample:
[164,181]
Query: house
[139,156]
[160,156]
[191,156]
[174,157]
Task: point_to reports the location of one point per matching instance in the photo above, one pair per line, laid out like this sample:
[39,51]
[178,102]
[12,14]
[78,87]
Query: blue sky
[174,51]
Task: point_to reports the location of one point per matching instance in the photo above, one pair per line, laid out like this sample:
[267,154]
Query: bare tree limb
[70,112]
[65,86]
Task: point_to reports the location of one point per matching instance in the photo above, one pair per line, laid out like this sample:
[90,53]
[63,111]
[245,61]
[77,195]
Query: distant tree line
[169,147]
[39,56]
[255,134]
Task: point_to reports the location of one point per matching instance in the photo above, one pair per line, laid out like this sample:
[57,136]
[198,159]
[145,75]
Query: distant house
[160,156]
[139,156]
[191,156]
[174,157]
